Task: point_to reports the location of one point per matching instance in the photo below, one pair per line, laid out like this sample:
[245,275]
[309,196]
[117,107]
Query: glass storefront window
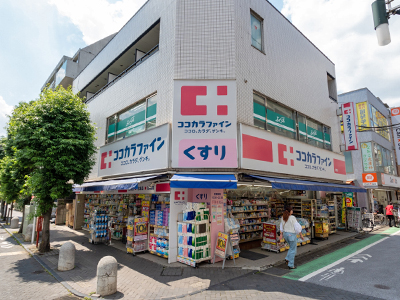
[140,117]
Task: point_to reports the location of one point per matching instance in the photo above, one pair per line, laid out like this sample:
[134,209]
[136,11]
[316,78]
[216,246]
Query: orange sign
[395,111]
[370,179]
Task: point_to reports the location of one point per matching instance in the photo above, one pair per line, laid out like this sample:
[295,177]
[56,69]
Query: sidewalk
[146,276]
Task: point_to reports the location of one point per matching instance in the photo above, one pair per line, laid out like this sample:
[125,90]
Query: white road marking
[332,273]
[6,245]
[328,267]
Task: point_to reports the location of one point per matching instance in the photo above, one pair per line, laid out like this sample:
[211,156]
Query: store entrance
[259,208]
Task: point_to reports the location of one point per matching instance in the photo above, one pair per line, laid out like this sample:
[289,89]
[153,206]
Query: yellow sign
[363,116]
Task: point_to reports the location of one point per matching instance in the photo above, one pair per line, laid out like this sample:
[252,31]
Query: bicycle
[367,222]
[379,219]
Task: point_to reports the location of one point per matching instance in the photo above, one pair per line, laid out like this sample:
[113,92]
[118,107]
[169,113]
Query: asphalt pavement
[369,267]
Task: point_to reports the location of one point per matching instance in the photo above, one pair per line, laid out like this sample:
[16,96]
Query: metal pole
[33,230]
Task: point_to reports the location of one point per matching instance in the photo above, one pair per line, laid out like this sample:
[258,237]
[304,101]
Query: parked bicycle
[372,220]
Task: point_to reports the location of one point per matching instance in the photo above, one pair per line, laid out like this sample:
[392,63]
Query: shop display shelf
[259,223]
[158,226]
[251,217]
[192,262]
[251,230]
[246,211]
[252,239]
[159,236]
[116,238]
[158,254]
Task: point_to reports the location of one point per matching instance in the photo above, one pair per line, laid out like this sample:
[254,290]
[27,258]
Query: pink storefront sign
[203,153]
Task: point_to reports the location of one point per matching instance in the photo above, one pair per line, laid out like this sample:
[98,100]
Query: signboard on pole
[204,130]
[370,179]
[349,126]
[395,113]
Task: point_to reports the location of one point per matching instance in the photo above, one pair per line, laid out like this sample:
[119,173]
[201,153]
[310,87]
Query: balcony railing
[126,71]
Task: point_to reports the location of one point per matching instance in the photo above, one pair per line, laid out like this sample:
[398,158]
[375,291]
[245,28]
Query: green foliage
[55,138]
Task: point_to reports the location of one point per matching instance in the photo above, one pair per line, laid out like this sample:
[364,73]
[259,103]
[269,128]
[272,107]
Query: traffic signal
[381,22]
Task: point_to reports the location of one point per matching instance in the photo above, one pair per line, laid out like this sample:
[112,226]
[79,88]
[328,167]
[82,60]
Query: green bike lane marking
[330,258]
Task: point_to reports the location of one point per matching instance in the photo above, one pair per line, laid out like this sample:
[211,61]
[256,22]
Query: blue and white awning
[111,185]
[204,181]
[291,184]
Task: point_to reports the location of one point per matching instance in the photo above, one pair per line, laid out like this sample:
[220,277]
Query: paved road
[369,267]
[22,277]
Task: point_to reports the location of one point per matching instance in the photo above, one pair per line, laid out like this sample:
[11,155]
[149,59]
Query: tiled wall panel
[291,70]
[205,39]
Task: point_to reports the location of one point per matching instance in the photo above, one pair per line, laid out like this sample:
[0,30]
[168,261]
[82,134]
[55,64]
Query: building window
[332,87]
[259,112]
[256,31]
[349,162]
[269,115]
[136,119]
[383,160]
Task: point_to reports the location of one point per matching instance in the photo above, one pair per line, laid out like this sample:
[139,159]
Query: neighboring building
[373,165]
[223,87]
[69,68]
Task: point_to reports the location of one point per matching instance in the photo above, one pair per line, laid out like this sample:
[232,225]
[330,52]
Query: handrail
[123,73]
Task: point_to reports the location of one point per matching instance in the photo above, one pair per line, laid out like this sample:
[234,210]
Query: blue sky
[35,35]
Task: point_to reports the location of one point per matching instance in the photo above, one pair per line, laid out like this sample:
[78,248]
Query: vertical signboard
[363,116]
[368,161]
[349,126]
[395,113]
[204,124]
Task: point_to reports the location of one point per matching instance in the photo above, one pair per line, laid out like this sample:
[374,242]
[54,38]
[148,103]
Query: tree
[15,169]
[56,135]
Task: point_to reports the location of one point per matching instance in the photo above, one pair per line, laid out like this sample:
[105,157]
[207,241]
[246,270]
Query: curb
[48,269]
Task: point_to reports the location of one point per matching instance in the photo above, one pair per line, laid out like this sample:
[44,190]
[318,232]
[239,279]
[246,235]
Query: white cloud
[5,110]
[344,31]
[97,19]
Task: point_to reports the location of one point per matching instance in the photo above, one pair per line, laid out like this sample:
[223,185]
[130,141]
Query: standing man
[389,213]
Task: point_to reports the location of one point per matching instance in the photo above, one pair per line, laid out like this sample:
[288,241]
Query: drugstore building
[219,107]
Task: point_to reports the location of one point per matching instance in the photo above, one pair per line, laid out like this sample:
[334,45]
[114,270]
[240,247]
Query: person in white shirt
[289,229]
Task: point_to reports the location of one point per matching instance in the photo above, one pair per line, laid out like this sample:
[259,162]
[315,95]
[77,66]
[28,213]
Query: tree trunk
[45,242]
[2,208]
[8,220]
[5,212]
[27,200]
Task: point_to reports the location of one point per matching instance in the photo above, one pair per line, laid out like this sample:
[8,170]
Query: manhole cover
[172,272]
[382,287]
[38,272]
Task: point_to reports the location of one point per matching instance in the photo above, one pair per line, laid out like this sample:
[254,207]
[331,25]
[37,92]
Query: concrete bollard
[66,258]
[28,233]
[14,223]
[107,276]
